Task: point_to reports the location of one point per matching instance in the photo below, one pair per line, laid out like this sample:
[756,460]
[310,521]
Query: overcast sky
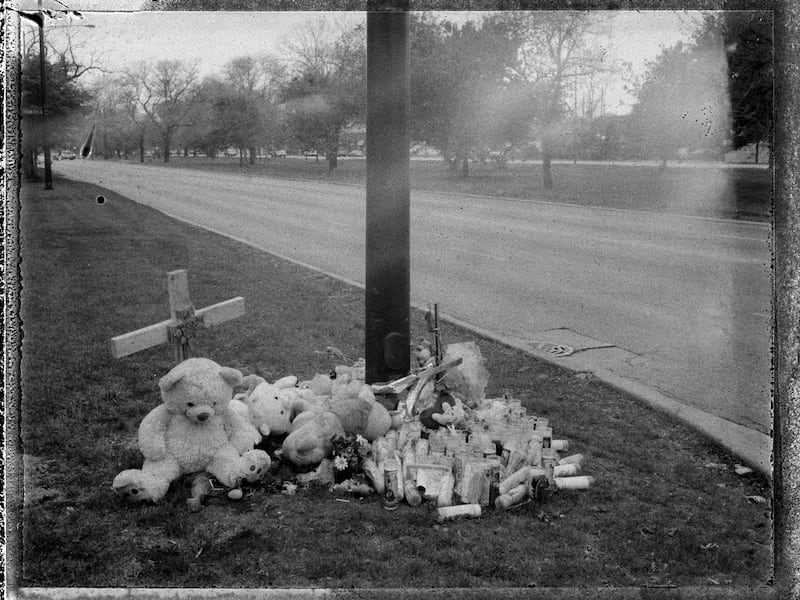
[213,38]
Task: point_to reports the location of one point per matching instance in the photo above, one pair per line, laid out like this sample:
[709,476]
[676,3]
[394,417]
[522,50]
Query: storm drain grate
[556,349]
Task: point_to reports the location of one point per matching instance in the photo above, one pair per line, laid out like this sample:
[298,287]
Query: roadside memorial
[429,438]
[183,324]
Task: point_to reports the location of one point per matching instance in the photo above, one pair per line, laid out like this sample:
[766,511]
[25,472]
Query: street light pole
[48,172]
[387,337]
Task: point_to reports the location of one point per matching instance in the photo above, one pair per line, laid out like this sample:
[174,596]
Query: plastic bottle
[560,445]
[520,477]
[463,510]
[375,474]
[382,450]
[567,470]
[514,496]
[401,480]
[582,482]
[409,460]
[573,458]
[445,497]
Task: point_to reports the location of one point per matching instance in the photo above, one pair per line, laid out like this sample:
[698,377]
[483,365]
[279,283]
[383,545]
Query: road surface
[680,304]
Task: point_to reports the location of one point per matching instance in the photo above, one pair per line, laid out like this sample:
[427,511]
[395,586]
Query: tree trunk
[252,156]
[166,147]
[29,169]
[465,167]
[756,152]
[333,161]
[141,148]
[547,157]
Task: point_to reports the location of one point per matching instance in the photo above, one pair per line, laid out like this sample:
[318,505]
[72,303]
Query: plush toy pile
[443,442]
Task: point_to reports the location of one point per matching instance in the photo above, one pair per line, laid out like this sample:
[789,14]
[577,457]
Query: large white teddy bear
[198,427]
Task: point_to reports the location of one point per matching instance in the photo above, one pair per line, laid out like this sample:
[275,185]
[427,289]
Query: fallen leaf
[742,470]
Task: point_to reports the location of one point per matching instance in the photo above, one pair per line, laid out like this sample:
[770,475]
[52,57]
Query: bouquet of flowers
[349,454]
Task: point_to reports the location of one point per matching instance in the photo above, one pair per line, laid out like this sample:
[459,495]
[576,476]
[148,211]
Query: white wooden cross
[182,325]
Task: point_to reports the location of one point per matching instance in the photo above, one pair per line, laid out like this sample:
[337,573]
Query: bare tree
[554,46]
[327,88]
[166,93]
[254,85]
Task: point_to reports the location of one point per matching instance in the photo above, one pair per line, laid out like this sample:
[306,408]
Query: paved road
[681,304]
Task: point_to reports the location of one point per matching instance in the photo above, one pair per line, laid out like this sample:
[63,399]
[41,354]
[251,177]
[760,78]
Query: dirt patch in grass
[667,508]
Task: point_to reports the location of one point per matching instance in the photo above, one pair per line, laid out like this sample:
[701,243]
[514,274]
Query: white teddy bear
[198,427]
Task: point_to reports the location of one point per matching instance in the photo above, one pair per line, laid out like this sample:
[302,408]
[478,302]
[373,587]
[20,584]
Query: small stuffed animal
[311,438]
[254,467]
[272,406]
[447,410]
[320,385]
[194,429]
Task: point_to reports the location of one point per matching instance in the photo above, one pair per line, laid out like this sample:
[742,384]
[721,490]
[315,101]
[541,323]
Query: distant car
[231,152]
[279,154]
[308,153]
[356,153]
[67,155]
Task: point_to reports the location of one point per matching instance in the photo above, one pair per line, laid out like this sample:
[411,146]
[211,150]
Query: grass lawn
[721,192]
[667,508]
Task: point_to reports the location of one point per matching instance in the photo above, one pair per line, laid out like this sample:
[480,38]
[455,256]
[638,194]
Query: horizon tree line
[506,81]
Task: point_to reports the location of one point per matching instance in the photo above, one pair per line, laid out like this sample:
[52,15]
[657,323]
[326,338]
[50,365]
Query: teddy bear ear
[169,380]
[232,376]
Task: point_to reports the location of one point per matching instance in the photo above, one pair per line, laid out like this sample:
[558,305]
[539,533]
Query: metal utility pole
[387,330]
[48,171]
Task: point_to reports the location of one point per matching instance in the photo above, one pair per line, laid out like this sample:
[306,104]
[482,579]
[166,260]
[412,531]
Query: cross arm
[159,333]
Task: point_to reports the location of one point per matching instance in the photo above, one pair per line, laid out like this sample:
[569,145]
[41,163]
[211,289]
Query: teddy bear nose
[202,417]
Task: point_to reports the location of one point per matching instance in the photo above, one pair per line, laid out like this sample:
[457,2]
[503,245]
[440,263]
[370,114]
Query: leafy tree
[682,102]
[328,88]
[747,39]
[67,100]
[461,101]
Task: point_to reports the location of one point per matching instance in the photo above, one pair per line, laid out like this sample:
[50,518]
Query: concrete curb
[749,445]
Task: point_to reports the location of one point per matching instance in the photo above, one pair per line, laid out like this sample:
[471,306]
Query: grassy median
[667,508]
[722,191]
